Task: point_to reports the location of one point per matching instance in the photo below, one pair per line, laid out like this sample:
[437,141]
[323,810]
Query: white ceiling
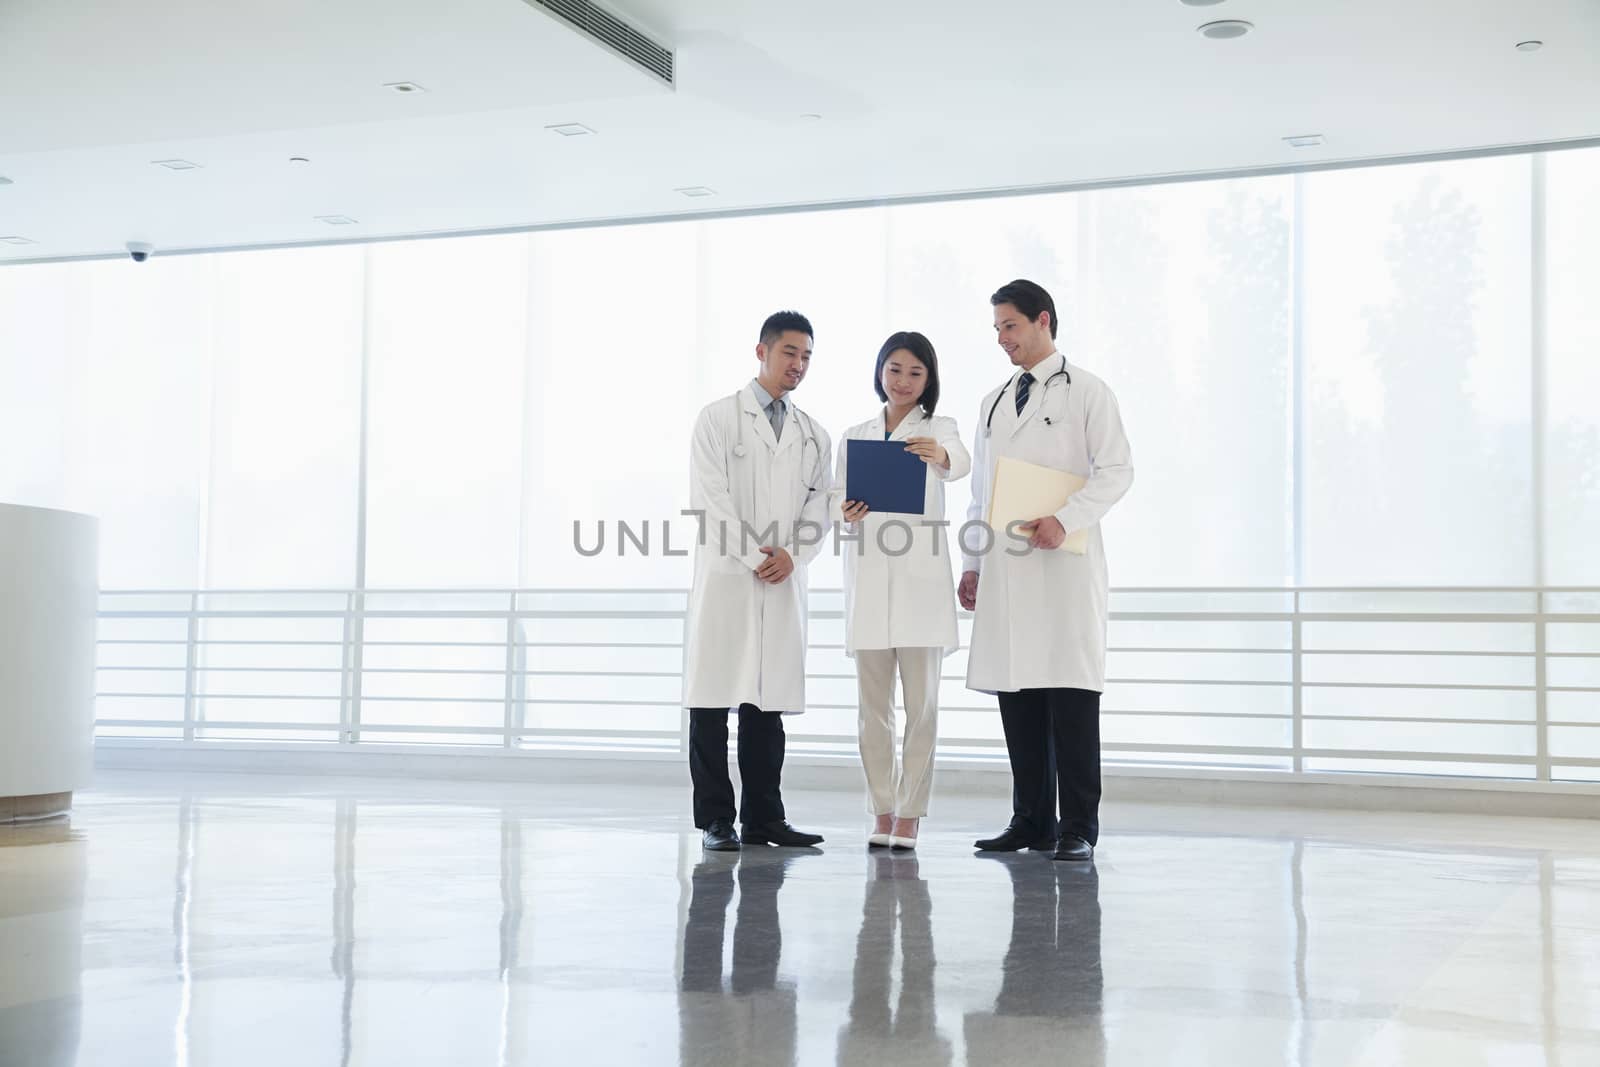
[916,98]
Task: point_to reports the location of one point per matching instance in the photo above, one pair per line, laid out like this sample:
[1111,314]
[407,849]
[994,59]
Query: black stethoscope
[988,424]
[810,438]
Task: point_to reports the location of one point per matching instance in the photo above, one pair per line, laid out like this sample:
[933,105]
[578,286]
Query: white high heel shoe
[880,841]
[896,841]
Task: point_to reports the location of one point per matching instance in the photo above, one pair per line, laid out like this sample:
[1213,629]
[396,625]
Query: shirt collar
[1040,371]
[766,399]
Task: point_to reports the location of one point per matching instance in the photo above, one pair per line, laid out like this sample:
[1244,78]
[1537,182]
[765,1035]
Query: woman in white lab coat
[900,608]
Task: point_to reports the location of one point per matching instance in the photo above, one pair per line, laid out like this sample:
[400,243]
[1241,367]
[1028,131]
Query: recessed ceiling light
[570,129]
[404,87]
[336,220]
[1226,29]
[14,240]
[696,191]
[811,116]
[1305,140]
[176,164]
[298,159]
[1529,46]
[4,180]
[1201,3]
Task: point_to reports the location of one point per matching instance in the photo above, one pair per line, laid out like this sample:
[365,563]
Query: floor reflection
[240,922]
[874,1032]
[749,1016]
[1052,988]
[43,870]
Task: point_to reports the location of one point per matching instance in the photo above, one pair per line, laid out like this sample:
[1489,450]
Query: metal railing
[1493,683]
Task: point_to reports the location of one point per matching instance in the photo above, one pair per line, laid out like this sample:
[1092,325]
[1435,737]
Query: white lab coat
[905,601]
[1040,618]
[745,640]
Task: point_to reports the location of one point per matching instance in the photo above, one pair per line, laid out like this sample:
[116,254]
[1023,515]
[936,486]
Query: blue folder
[885,477]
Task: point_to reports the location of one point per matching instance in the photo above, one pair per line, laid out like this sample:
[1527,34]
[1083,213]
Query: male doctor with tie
[759,474]
[1039,631]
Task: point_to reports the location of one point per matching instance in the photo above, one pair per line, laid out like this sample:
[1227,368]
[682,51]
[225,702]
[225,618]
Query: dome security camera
[140,250]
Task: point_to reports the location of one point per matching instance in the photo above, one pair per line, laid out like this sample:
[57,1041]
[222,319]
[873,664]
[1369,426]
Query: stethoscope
[988,424]
[810,438]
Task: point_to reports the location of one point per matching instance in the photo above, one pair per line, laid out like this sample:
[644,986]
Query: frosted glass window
[1418,358]
[447,348]
[283,496]
[1572,404]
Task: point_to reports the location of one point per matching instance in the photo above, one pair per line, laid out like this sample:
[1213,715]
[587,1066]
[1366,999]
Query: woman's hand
[930,450]
[854,511]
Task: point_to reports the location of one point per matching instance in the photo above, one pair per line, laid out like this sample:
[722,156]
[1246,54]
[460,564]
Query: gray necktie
[775,416]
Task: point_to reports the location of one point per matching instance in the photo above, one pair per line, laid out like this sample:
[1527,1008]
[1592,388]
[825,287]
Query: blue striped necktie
[1023,383]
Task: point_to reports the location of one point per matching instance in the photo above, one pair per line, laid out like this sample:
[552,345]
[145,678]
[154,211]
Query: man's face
[785,361]
[1024,342]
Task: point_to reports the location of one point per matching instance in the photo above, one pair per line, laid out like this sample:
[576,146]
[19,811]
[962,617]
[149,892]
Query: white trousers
[898,786]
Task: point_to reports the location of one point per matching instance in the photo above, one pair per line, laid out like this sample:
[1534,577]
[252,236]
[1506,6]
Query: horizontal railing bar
[226,696]
[1401,720]
[838,591]
[617,645]
[1412,720]
[1218,649]
[1429,686]
[1285,684]
[623,645]
[1335,616]
[200,670]
[1172,615]
[1323,753]
[201,642]
[1416,652]
[333,727]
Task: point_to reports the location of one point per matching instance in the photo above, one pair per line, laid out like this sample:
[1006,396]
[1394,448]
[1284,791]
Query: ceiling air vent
[604,28]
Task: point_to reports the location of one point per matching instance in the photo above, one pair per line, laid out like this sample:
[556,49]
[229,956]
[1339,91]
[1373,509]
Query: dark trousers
[761,743]
[1053,738]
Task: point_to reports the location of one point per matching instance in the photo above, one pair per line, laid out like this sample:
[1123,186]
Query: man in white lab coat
[759,475]
[1039,632]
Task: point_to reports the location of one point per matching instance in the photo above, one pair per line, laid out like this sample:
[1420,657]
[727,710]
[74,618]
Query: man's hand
[1047,533]
[854,510]
[779,565]
[967,591]
[931,451]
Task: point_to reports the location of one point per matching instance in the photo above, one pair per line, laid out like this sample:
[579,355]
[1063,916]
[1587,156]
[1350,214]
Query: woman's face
[904,378]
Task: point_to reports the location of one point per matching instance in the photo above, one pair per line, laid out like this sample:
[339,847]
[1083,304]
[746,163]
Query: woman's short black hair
[920,347]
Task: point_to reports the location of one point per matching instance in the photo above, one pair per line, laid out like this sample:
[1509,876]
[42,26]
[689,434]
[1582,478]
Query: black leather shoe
[719,837]
[1014,839]
[1073,847]
[778,833]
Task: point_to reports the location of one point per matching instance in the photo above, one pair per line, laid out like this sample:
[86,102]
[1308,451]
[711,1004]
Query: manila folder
[1026,491]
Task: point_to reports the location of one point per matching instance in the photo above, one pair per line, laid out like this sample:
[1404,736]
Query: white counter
[48,586]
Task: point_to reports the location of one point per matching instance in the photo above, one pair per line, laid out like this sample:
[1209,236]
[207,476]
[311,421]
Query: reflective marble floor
[239,920]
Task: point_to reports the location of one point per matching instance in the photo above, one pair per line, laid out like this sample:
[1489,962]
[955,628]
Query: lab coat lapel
[1041,373]
[757,419]
[910,426]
